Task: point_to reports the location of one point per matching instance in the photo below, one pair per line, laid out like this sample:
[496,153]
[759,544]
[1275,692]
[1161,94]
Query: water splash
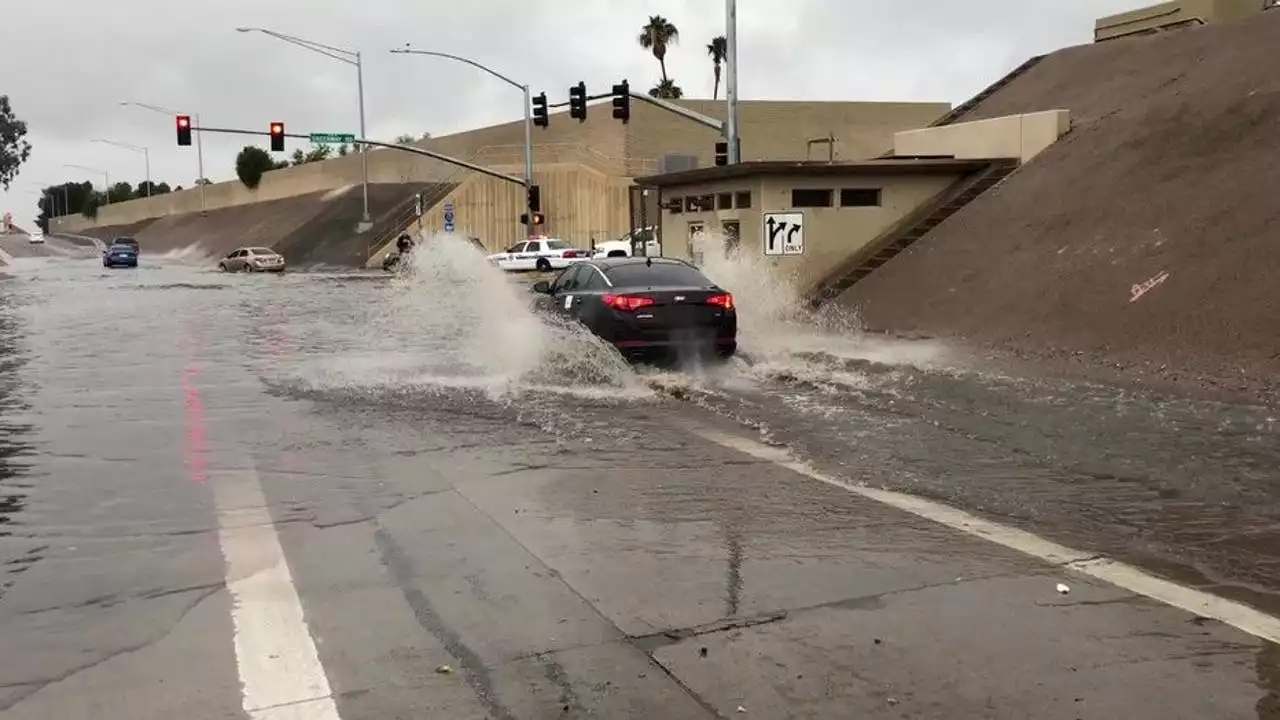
[452,320]
[782,336]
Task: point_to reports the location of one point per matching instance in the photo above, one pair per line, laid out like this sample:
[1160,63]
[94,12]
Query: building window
[700,203]
[804,197]
[724,201]
[860,197]
[743,201]
[675,205]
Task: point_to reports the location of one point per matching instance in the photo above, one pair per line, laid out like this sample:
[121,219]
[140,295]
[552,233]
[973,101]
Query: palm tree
[655,36]
[666,90]
[718,49]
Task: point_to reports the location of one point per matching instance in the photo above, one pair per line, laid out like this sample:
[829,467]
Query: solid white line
[280,672]
[1114,572]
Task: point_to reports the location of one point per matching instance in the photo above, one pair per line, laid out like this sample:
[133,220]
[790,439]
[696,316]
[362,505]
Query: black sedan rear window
[656,275]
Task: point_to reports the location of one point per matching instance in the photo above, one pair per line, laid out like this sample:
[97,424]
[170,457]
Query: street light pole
[199,141]
[731,79]
[106,178]
[528,114]
[146,155]
[350,57]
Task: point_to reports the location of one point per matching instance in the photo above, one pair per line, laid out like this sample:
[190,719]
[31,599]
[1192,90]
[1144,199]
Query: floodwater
[459,482]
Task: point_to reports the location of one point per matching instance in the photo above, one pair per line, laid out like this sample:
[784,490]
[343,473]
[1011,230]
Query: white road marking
[1114,572]
[280,672]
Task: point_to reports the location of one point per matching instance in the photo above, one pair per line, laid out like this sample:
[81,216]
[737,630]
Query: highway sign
[330,138]
[783,233]
[448,217]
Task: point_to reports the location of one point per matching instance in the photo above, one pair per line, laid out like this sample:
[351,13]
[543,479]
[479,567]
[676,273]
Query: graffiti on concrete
[1143,288]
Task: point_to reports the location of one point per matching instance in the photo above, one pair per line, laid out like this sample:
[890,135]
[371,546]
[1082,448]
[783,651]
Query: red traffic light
[277,128]
[277,137]
[184,130]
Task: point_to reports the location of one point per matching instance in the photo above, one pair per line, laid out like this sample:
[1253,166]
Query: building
[824,225]
[1174,15]
[584,169]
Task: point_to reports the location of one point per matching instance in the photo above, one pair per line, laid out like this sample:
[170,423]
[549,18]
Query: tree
[667,90]
[14,148]
[718,49]
[315,154]
[177,188]
[61,200]
[91,204]
[141,191]
[343,149]
[655,36]
[121,192]
[409,139]
[203,181]
[252,163]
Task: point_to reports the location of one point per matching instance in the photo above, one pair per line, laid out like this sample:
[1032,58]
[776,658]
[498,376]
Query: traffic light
[540,110]
[538,219]
[277,137]
[722,152]
[184,130]
[535,198]
[622,101]
[578,101]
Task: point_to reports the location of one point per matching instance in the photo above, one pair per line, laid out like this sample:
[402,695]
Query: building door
[695,229]
[732,236]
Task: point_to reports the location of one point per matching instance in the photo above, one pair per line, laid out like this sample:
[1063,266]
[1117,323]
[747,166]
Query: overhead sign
[332,138]
[783,233]
[448,217]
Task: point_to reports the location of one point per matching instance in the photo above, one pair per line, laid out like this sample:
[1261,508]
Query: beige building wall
[832,234]
[1014,136]
[580,203]
[775,130]
[1173,14]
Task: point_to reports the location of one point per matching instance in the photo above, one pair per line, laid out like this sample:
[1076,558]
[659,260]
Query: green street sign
[332,138]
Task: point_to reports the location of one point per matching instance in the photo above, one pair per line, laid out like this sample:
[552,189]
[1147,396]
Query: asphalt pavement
[350,496]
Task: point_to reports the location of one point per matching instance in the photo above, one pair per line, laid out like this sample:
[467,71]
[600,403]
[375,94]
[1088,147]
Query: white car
[538,254]
[623,246]
[36,238]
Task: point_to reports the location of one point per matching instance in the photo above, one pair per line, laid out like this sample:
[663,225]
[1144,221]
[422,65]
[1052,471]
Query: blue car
[120,255]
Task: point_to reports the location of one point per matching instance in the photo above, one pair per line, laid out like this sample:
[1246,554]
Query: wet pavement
[322,496]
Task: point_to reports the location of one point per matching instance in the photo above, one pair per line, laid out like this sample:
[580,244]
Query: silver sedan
[252,259]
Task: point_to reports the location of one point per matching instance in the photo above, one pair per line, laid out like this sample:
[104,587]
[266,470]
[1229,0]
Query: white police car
[541,253]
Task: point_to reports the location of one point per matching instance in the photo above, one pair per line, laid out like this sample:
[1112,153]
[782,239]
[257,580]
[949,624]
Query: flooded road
[349,496]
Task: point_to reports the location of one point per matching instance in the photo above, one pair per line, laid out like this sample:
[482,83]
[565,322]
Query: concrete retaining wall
[1016,136]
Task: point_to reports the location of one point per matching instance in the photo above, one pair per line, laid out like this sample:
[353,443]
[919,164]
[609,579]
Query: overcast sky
[68,64]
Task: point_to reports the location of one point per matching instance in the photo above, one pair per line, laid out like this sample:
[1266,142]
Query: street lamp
[349,57]
[106,179]
[199,144]
[146,154]
[528,121]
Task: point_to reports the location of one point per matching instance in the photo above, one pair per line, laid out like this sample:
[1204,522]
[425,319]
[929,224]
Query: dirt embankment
[1145,243]
[293,225]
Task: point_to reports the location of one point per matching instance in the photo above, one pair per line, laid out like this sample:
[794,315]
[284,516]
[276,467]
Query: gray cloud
[79,58]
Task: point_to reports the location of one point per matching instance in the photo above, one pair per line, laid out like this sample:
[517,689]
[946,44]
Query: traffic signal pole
[686,113]
[374,143]
[528,160]
[731,80]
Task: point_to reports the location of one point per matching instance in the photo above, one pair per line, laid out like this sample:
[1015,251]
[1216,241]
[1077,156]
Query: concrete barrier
[1014,136]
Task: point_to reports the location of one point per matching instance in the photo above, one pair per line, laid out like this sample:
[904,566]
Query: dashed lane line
[281,677]
[1121,575]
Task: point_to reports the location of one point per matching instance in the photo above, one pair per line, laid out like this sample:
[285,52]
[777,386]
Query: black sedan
[648,308]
